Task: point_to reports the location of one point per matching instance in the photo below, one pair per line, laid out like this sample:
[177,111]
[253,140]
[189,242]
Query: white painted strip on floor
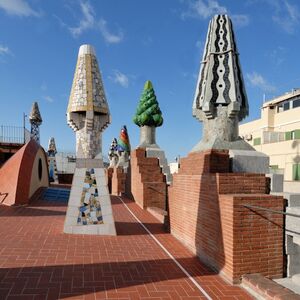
[198,286]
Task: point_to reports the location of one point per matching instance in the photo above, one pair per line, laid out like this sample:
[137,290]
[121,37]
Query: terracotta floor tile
[39,261]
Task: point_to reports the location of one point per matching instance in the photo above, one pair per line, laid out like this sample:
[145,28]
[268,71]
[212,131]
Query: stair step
[163,162]
[56,194]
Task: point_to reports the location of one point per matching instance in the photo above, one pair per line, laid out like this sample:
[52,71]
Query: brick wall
[207,214]
[118,181]
[109,173]
[210,161]
[241,183]
[148,183]
[128,183]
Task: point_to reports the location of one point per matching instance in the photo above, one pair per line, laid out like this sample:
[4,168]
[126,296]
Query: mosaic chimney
[53,177]
[88,113]
[89,207]
[35,120]
[51,147]
[220,100]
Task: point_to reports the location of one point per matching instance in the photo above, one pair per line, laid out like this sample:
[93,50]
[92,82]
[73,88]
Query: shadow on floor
[127,228]
[80,279]
[32,211]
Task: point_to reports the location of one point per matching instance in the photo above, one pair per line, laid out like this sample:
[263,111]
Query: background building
[277,134]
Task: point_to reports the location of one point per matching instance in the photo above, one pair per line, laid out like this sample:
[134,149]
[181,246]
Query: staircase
[56,195]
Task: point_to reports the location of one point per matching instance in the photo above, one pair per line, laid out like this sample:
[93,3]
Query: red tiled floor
[39,261]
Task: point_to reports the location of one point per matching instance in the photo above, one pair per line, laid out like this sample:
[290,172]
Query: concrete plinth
[276,183]
[148,137]
[89,208]
[245,161]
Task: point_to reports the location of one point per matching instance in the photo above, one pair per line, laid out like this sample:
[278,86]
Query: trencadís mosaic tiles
[90,208]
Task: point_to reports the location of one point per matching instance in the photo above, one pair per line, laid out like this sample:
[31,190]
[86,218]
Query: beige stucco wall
[289,119]
[254,128]
[283,121]
[285,153]
[35,182]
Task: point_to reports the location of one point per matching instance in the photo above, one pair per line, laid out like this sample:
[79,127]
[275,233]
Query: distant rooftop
[287,96]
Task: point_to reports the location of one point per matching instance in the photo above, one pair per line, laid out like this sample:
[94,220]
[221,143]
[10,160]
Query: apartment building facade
[277,134]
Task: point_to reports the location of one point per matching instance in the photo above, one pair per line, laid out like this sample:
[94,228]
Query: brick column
[109,173]
[207,213]
[118,181]
[148,183]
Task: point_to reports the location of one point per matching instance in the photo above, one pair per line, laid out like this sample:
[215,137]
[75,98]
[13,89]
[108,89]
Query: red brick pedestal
[148,183]
[208,214]
[109,173]
[118,181]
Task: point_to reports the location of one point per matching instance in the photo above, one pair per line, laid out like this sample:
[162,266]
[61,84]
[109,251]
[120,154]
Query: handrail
[12,134]
[271,210]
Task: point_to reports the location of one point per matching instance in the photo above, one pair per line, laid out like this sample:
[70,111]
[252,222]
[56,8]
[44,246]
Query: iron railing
[14,134]
[271,210]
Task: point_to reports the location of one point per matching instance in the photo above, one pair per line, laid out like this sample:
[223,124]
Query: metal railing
[14,134]
[271,210]
[273,137]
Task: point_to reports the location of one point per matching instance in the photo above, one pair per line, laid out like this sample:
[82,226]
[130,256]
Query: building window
[296,172]
[257,141]
[296,103]
[274,167]
[71,159]
[286,106]
[279,108]
[297,134]
[288,135]
[293,135]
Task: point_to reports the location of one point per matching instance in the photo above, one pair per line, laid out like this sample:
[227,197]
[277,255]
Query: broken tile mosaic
[90,208]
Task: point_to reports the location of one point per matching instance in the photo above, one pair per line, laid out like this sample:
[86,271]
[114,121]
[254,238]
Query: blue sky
[137,40]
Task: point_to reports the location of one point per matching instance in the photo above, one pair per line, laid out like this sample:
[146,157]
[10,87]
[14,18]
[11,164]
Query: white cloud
[48,99]
[109,36]
[257,80]
[87,22]
[204,9]
[287,17]
[44,86]
[18,7]
[146,41]
[60,21]
[200,44]
[284,14]
[292,10]
[4,50]
[277,55]
[120,78]
[240,20]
